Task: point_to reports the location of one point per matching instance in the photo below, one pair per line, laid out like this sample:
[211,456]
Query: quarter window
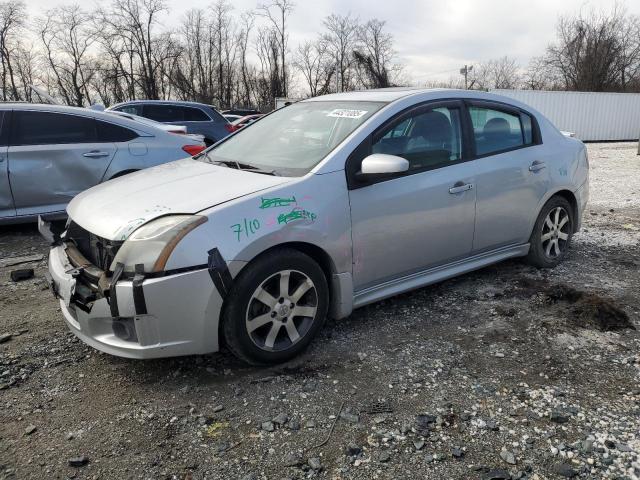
[3,130]
[195,115]
[109,132]
[496,131]
[164,113]
[45,128]
[429,139]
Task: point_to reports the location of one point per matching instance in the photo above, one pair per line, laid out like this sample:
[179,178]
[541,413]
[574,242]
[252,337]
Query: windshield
[292,140]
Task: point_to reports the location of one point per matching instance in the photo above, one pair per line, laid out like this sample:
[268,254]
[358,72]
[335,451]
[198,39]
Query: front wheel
[277,305]
[552,234]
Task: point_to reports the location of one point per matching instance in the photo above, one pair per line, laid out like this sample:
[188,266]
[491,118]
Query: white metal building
[592,116]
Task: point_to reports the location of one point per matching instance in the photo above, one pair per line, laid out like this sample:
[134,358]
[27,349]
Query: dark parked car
[199,118]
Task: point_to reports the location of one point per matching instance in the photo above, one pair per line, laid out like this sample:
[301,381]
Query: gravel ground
[506,373]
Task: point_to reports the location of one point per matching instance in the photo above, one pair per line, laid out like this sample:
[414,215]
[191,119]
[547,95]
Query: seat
[496,135]
[430,141]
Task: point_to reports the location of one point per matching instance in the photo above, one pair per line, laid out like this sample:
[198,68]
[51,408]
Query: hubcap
[555,232]
[281,310]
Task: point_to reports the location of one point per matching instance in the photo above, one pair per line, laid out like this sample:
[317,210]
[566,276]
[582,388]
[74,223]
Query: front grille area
[99,251]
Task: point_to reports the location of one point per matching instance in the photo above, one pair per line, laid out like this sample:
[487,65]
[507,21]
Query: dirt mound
[586,309]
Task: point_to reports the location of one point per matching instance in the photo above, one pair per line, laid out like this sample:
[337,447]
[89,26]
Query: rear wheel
[276,306]
[552,234]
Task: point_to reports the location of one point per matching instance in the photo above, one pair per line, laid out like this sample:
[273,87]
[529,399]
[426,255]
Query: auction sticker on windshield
[346,113]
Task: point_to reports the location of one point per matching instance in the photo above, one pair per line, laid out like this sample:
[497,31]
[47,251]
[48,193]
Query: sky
[433,38]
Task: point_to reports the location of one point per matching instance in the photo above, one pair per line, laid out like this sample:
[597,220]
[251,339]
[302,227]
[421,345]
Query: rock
[492,425]
[218,408]
[281,419]
[293,460]
[315,464]
[621,447]
[558,417]
[80,461]
[429,458]
[587,446]
[418,444]
[457,452]
[508,457]
[424,424]
[349,417]
[310,424]
[384,456]
[21,274]
[268,426]
[30,429]
[496,474]
[293,424]
[5,337]
[352,450]
[564,470]
[499,355]
[250,476]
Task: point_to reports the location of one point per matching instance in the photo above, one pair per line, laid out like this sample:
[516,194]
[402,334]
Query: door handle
[536,166]
[95,154]
[460,187]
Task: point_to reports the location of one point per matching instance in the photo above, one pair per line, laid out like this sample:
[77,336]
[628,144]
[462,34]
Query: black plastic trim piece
[219,272]
[138,293]
[113,300]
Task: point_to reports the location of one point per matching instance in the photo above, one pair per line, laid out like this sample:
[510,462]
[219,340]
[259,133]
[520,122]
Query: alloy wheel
[281,310]
[555,232]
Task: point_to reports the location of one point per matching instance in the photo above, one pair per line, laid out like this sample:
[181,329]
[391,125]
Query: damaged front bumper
[180,314]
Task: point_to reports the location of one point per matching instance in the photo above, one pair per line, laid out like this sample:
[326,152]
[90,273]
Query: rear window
[46,128]
[109,132]
[130,109]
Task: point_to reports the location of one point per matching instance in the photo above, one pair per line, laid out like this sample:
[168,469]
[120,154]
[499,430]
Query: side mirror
[380,165]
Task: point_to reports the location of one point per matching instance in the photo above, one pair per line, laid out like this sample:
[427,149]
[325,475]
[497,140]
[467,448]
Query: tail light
[193,149]
[231,128]
[177,132]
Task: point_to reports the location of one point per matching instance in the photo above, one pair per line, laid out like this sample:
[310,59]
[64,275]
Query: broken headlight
[152,243]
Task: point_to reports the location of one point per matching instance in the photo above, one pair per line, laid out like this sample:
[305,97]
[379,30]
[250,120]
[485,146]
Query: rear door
[6,198]
[53,157]
[512,174]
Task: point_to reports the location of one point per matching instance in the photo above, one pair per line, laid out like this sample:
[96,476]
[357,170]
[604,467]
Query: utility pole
[465,71]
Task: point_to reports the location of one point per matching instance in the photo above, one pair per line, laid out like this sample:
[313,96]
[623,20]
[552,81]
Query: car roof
[390,95]
[87,112]
[166,102]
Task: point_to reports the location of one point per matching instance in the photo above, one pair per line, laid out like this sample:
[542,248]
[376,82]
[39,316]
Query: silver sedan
[49,154]
[319,208]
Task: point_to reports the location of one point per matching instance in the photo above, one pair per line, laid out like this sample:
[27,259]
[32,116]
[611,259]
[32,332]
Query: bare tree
[496,73]
[314,62]
[277,13]
[374,54]
[587,51]
[67,36]
[12,17]
[341,38]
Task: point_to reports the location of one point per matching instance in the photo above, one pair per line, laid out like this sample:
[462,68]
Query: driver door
[423,218]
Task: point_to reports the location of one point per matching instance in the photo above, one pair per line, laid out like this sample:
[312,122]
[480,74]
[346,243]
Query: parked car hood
[114,209]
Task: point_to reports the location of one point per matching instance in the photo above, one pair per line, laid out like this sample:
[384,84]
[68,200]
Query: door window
[46,128]
[130,109]
[195,115]
[496,131]
[428,139]
[3,130]
[163,113]
[109,132]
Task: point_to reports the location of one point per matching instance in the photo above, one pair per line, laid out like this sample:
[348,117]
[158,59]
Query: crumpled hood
[114,209]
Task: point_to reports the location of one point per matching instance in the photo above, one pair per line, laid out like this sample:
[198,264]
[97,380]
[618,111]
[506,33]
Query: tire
[257,307]
[551,236]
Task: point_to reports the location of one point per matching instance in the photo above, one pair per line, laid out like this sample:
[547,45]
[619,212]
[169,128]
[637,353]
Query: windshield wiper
[243,166]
